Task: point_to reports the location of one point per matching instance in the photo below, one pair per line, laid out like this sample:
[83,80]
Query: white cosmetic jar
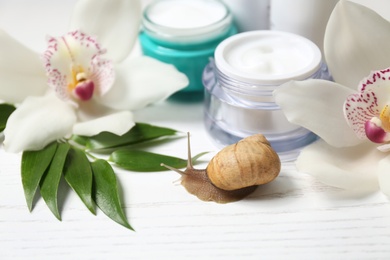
[239,83]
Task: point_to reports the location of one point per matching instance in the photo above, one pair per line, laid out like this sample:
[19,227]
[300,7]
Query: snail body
[234,172]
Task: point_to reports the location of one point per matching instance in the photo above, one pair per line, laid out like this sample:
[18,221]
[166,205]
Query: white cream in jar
[187,21]
[190,13]
[247,68]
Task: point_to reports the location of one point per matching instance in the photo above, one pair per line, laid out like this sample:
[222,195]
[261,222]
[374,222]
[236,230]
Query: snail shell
[249,162]
[234,172]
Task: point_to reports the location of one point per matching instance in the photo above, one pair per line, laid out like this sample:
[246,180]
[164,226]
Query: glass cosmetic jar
[239,83]
[185,33]
[307,18]
[250,15]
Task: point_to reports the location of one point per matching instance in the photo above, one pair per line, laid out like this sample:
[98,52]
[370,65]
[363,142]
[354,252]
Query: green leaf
[34,165]
[142,161]
[5,111]
[78,174]
[106,192]
[138,134]
[196,157]
[81,140]
[51,180]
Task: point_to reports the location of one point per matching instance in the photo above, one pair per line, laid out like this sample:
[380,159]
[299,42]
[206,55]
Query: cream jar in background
[239,83]
[307,18]
[250,15]
[185,33]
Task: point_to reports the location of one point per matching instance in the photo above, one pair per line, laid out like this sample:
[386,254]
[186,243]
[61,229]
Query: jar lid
[186,20]
[267,57]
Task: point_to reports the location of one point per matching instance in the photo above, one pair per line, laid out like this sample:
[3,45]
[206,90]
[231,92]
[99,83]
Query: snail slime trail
[234,172]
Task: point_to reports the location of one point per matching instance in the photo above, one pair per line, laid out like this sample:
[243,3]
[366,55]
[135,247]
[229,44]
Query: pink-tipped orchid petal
[75,58]
[348,168]
[375,132]
[141,81]
[21,71]
[384,175]
[37,122]
[356,42]
[115,23]
[378,82]
[303,104]
[116,123]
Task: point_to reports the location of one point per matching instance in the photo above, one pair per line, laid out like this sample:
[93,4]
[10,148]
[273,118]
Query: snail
[234,172]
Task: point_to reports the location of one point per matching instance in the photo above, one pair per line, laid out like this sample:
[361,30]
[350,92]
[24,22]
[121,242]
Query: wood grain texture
[294,217]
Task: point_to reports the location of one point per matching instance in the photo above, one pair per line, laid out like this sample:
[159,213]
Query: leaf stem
[91,155]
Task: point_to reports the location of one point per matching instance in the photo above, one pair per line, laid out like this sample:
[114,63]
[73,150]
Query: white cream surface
[186,14]
[269,56]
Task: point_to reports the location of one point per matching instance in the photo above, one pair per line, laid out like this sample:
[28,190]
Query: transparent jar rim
[224,67]
[236,87]
[196,34]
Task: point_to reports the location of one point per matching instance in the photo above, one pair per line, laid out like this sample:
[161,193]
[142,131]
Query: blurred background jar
[250,15]
[307,18]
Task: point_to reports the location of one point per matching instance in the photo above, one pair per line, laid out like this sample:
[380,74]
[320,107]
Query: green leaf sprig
[93,179]
[123,150]
[94,182]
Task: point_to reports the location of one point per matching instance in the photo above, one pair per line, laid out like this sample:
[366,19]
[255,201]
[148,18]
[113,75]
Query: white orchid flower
[82,83]
[351,115]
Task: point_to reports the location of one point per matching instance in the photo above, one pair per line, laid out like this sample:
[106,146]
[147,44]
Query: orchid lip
[84,90]
[374,131]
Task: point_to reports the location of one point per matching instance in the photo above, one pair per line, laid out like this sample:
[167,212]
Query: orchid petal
[91,110]
[378,82]
[384,175]
[347,168]
[115,23]
[117,123]
[76,54]
[142,81]
[356,42]
[93,118]
[21,71]
[37,122]
[302,103]
[384,148]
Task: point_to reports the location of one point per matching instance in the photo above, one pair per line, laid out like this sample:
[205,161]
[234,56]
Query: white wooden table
[294,217]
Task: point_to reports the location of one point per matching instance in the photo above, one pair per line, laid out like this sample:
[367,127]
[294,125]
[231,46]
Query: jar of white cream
[239,83]
[185,33]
